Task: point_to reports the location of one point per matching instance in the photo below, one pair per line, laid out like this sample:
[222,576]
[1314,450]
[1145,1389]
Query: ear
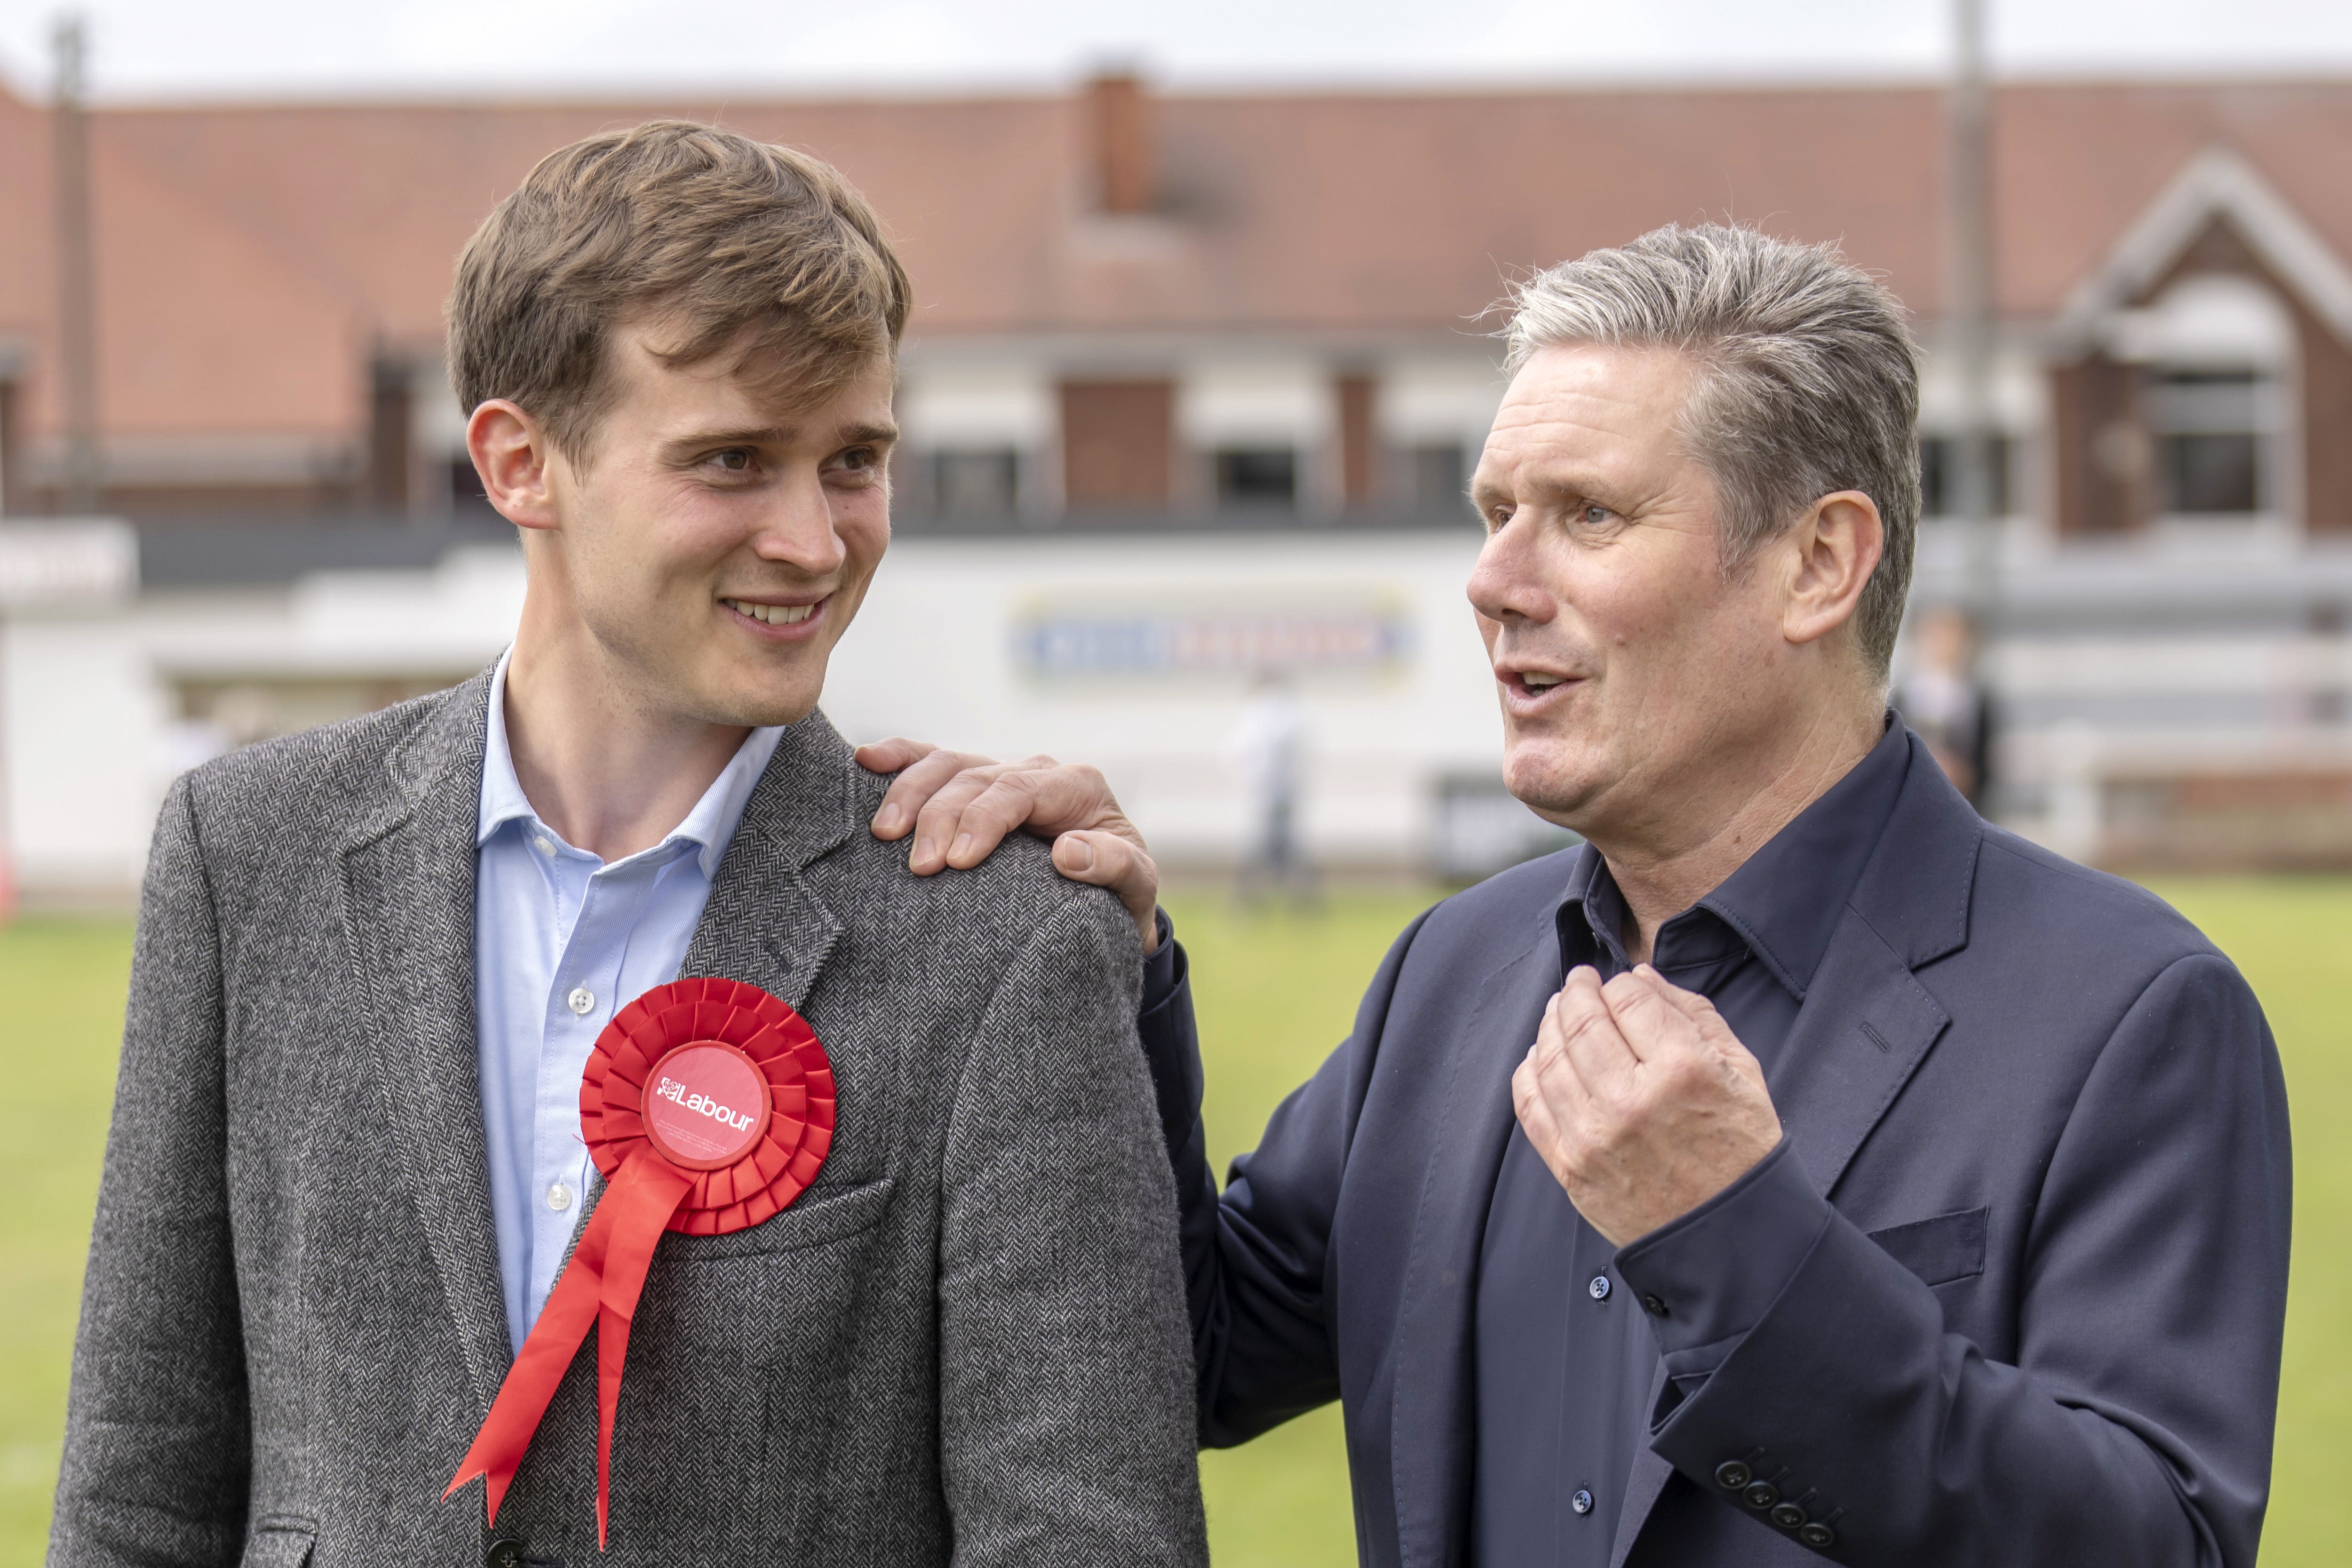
[1835,547]
[512,454]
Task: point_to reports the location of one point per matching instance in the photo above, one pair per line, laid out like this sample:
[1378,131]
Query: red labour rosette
[709,1105]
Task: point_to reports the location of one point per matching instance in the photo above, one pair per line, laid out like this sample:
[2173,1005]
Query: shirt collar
[709,827]
[1785,900]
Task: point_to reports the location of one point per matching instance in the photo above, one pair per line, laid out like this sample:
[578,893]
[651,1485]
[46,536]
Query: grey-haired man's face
[1623,657]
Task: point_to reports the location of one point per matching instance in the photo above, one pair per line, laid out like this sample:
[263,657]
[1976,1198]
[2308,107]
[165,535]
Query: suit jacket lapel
[408,913]
[763,923]
[1431,1437]
[1867,1022]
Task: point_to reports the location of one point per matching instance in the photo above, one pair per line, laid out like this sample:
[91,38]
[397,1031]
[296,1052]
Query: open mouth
[771,614]
[1534,683]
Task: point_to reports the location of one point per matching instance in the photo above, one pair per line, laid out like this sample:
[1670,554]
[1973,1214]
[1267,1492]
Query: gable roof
[2217,184]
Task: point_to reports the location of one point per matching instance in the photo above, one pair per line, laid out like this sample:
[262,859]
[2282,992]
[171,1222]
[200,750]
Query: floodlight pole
[76,279]
[1969,326]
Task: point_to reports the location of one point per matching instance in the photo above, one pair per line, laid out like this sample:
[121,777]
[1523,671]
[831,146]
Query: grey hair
[1808,380]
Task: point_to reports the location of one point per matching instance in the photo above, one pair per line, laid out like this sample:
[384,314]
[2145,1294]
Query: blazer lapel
[408,913]
[1431,1435]
[763,923]
[1867,1022]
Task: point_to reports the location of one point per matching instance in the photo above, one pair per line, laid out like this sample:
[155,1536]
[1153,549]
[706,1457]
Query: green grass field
[1275,991]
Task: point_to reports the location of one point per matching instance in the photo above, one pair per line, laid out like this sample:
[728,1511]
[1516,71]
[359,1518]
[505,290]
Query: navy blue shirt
[1566,1355]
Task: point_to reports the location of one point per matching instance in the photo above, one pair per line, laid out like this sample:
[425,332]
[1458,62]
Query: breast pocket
[277,1542]
[811,1221]
[1949,1247]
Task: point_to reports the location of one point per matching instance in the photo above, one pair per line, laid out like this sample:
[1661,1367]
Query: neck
[607,769]
[1663,868]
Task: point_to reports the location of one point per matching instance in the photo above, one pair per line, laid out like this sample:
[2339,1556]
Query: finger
[1590,1038]
[921,779]
[935,823]
[1689,1004]
[889,756]
[1106,860]
[1707,1023]
[1650,1025]
[1009,801]
[1531,1102]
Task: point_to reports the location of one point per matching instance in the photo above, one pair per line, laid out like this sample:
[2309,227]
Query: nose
[1505,585]
[797,528]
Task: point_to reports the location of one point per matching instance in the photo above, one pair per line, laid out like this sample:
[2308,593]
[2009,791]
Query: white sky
[174,49]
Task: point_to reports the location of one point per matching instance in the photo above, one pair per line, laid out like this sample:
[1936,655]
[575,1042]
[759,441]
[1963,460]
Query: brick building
[1136,307]
[1191,386]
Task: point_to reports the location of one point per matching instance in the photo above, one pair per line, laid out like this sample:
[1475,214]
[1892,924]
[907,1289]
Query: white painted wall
[90,742]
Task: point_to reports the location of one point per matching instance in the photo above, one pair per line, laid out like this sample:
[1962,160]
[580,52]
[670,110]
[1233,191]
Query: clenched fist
[1641,1101]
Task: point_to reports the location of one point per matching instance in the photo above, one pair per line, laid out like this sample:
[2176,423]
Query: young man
[348,1163]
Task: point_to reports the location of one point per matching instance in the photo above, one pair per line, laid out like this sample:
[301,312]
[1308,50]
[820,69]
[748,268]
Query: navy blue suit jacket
[2039,1319]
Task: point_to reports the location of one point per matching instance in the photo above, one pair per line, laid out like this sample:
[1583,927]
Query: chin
[1548,777]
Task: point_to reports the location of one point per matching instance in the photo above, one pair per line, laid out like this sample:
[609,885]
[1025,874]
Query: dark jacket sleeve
[1255,1256]
[157,1449]
[2135,1426]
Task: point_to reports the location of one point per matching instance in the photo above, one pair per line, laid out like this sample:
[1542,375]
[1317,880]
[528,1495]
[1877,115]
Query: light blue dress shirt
[562,943]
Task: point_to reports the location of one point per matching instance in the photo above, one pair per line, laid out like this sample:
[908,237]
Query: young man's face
[713,547]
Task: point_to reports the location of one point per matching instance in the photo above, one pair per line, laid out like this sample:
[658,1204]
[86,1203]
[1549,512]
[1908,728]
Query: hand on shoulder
[960,806]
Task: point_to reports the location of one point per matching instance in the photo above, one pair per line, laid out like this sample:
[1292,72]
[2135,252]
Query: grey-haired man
[1802,1167]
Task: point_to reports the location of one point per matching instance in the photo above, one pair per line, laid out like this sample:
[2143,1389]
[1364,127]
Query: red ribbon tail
[531,1381]
[646,1192]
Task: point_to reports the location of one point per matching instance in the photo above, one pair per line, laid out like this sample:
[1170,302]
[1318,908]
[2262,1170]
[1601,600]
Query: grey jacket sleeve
[157,1447]
[1066,1367]
[2135,1426]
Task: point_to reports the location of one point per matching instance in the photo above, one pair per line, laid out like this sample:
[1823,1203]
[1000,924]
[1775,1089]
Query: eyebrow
[860,435]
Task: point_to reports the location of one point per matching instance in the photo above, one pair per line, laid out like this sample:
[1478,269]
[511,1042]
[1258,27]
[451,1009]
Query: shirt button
[581,999]
[1599,1288]
[1654,1305]
[559,1196]
[1582,1501]
[544,845]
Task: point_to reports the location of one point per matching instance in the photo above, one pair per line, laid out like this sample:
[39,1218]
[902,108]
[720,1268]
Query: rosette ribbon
[708,1107]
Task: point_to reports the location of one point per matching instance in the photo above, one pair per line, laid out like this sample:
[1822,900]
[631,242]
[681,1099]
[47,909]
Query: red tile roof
[251,257]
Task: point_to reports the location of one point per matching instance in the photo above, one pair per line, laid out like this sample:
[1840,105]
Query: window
[2209,426]
[1939,476]
[976,484]
[1435,479]
[1257,477]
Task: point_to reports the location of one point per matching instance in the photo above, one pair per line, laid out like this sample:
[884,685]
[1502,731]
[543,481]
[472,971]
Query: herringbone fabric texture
[966,1342]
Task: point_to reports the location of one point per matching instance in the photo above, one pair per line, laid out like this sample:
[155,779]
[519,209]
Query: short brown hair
[758,250]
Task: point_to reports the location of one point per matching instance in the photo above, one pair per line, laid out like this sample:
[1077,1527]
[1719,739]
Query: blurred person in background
[347,1162]
[1269,751]
[1945,703]
[1802,1167]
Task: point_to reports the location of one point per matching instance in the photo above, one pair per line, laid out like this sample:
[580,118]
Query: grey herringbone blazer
[966,1341]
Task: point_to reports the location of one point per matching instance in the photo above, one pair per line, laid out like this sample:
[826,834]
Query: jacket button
[1787,1515]
[1731,1475]
[1761,1495]
[503,1553]
[1654,1305]
[1818,1534]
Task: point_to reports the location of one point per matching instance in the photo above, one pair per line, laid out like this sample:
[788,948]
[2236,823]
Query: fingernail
[889,818]
[1079,854]
[962,843]
[925,848]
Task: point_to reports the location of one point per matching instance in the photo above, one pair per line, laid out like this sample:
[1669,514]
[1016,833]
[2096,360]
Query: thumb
[1106,860]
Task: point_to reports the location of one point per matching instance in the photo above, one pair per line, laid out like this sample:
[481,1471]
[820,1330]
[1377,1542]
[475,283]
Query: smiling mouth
[774,615]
